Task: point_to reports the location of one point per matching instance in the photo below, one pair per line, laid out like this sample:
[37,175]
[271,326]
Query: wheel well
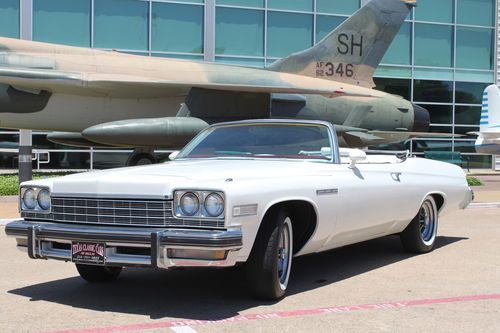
[439,199]
[303,218]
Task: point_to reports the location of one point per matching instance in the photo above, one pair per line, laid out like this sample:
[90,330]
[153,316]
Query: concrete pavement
[372,286]
[39,295]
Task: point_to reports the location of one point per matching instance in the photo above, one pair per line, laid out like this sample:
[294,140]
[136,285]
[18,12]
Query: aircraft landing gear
[141,157]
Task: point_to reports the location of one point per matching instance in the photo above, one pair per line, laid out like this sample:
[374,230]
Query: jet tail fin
[490,111]
[352,52]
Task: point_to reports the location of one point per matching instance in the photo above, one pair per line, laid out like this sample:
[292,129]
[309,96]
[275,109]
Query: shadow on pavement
[210,294]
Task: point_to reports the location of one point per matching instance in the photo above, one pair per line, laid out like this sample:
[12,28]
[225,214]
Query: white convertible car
[256,192]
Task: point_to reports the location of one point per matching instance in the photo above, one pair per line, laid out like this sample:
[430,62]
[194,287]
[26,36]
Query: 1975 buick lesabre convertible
[255,192]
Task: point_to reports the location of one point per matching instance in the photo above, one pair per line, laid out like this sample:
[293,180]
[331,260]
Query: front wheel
[269,264]
[98,273]
[420,235]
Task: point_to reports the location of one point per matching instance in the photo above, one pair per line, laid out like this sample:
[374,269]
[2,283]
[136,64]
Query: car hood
[160,180]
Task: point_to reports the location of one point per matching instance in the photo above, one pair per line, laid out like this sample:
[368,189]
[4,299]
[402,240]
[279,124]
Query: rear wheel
[420,235]
[98,273]
[269,264]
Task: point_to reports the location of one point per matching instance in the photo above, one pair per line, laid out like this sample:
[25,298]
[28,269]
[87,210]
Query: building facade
[443,57]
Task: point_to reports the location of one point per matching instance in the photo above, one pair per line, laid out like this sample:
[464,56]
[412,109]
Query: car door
[370,201]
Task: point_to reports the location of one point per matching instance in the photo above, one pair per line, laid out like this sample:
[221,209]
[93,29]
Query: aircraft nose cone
[421,120]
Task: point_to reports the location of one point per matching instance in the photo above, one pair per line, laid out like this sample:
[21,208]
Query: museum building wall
[443,57]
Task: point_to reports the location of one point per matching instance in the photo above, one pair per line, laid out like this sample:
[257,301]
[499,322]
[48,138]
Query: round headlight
[29,199]
[44,199]
[189,204]
[214,204]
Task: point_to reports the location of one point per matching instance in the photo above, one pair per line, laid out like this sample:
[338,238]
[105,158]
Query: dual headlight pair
[35,198]
[207,204]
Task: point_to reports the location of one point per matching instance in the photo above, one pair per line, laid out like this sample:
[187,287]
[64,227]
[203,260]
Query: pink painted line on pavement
[281,314]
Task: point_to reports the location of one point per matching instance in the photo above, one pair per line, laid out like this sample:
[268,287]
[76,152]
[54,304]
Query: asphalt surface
[373,286]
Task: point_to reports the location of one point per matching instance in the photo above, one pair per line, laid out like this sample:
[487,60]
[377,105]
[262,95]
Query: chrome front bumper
[129,246]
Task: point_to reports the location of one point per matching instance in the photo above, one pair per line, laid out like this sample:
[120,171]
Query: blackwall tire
[97,274]
[420,235]
[268,267]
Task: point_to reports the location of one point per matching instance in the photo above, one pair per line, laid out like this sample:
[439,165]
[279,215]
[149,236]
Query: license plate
[88,253]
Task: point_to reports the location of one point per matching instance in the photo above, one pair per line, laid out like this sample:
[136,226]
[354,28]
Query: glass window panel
[465,147]
[431,145]
[433,74]
[435,10]
[109,160]
[474,48]
[469,93]
[399,51]
[475,12]
[466,129]
[325,24]
[239,32]
[433,91]
[177,28]
[393,71]
[121,24]
[402,145]
[303,5]
[346,7]
[9,18]
[441,129]
[258,63]
[467,132]
[399,87]
[433,45]
[245,3]
[440,114]
[69,160]
[480,161]
[474,76]
[467,115]
[62,22]
[281,26]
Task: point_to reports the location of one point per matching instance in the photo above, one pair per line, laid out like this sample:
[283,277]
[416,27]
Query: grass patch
[9,184]
[473,181]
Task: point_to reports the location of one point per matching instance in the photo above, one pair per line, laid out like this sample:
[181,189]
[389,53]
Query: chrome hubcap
[427,221]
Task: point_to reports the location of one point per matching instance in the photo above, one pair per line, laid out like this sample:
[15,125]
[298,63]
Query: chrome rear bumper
[129,246]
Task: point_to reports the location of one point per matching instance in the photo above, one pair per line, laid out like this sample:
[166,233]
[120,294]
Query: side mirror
[173,155]
[356,155]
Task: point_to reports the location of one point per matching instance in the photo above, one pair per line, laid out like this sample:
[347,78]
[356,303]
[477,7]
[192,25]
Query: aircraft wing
[360,137]
[131,86]
[407,135]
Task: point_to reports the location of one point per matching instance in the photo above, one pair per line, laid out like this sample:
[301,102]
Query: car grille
[155,213]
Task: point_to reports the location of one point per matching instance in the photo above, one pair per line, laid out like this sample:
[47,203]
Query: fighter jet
[92,97]
[488,140]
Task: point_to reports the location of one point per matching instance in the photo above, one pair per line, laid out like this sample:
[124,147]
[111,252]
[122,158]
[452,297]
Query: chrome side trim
[327,191]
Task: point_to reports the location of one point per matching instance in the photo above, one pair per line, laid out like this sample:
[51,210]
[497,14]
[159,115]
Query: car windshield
[262,140]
